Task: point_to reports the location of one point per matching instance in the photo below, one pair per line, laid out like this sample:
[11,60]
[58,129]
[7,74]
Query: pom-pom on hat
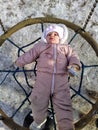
[60,29]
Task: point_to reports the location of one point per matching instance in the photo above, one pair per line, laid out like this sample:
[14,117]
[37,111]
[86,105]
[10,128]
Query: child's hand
[18,64]
[76,67]
[71,72]
[72,69]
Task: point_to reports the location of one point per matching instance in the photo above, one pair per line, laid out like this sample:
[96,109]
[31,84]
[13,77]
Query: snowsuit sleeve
[29,56]
[73,57]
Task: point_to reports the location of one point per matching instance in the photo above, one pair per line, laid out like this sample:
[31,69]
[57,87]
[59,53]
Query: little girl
[55,58]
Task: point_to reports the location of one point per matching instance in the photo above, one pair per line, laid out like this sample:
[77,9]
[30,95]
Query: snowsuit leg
[62,103]
[61,100]
[40,96]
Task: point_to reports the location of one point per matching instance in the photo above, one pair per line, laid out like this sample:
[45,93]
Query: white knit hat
[54,28]
[61,30]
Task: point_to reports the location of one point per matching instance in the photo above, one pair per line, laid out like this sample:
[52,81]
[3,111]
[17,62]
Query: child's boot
[35,126]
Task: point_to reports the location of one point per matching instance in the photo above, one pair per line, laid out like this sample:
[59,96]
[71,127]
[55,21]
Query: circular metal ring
[86,118]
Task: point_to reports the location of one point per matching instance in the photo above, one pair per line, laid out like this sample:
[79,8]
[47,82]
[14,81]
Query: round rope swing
[50,124]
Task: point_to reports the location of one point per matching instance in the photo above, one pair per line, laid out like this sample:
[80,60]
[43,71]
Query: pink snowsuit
[52,77]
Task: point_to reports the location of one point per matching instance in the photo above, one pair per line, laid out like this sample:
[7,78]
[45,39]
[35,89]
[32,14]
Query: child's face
[53,38]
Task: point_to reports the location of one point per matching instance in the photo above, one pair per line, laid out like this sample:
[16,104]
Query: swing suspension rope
[90,14]
[86,22]
[24,71]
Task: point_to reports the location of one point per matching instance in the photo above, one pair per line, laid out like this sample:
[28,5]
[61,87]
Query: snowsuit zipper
[54,67]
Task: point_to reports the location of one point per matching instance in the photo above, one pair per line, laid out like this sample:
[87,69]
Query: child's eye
[56,34]
[49,34]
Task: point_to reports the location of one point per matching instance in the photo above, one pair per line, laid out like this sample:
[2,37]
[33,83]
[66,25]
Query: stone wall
[75,11]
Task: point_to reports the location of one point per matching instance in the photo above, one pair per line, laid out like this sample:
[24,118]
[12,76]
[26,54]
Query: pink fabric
[65,56]
[61,100]
[40,96]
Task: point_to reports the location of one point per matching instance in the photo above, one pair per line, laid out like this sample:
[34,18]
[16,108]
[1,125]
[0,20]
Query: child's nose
[52,35]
